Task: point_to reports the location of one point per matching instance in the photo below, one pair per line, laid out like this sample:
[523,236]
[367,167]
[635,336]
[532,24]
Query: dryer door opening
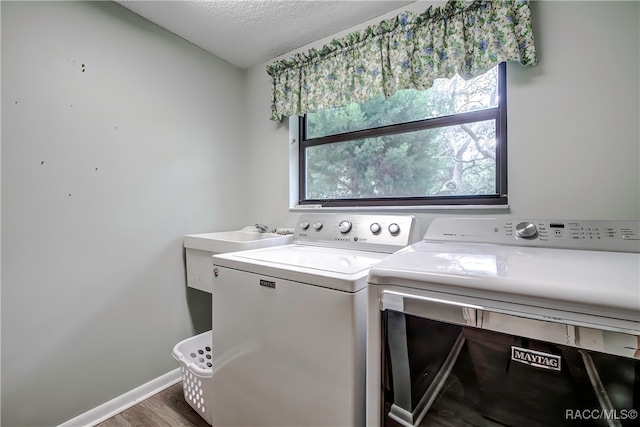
[449,364]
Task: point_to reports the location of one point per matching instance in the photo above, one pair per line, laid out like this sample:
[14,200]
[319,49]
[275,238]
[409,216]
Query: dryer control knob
[304,225]
[526,230]
[317,225]
[375,228]
[394,229]
[344,226]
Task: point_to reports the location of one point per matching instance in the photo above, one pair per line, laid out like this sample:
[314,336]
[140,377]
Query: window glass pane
[446,97]
[445,161]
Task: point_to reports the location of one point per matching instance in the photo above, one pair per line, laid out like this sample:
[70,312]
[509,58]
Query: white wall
[573,135]
[117,139]
[573,121]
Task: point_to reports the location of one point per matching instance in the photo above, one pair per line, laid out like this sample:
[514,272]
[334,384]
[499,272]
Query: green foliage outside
[453,160]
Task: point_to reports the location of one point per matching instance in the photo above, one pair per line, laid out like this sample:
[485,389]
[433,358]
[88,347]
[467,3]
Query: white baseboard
[124,401]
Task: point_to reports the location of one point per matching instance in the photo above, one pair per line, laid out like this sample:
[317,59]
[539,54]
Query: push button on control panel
[394,229]
[375,228]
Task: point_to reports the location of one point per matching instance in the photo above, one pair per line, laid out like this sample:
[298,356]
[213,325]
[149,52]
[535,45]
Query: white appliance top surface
[340,269]
[330,250]
[317,258]
[592,282]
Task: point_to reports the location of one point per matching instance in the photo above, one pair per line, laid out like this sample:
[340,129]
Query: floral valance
[408,51]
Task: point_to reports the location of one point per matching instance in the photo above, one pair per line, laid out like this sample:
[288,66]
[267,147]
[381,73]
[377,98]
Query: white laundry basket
[196,364]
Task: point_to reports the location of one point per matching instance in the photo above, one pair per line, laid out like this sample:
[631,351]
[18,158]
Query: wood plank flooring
[164,409]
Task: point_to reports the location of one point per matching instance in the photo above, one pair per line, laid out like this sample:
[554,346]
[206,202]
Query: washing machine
[290,322]
[498,322]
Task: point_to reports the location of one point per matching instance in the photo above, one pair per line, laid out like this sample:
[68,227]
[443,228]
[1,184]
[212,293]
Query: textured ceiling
[249,32]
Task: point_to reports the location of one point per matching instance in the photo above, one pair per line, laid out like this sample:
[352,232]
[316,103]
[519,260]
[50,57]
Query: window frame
[498,113]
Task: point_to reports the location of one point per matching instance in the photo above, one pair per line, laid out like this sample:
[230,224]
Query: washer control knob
[304,225]
[317,225]
[394,229]
[526,230]
[375,228]
[344,226]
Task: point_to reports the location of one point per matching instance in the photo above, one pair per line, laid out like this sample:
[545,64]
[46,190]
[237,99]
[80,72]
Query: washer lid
[340,269]
[316,258]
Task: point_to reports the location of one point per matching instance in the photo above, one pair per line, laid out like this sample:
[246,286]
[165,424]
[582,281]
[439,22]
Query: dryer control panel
[599,235]
[374,233]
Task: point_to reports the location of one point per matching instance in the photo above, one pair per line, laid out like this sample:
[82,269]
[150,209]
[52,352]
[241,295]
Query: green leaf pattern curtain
[408,51]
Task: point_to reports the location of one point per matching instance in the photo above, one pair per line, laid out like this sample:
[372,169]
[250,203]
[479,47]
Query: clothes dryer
[492,322]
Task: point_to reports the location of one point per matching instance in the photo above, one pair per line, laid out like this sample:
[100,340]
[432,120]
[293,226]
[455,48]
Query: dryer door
[447,363]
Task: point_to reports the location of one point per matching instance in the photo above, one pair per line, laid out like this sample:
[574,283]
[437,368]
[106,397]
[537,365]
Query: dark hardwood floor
[164,409]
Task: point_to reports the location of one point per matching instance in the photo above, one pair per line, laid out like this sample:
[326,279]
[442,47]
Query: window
[442,146]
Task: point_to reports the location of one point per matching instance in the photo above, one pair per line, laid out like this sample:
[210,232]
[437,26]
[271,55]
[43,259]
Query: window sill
[442,208]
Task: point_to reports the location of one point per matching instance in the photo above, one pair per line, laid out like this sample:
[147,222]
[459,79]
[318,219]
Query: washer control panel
[616,236]
[375,233]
